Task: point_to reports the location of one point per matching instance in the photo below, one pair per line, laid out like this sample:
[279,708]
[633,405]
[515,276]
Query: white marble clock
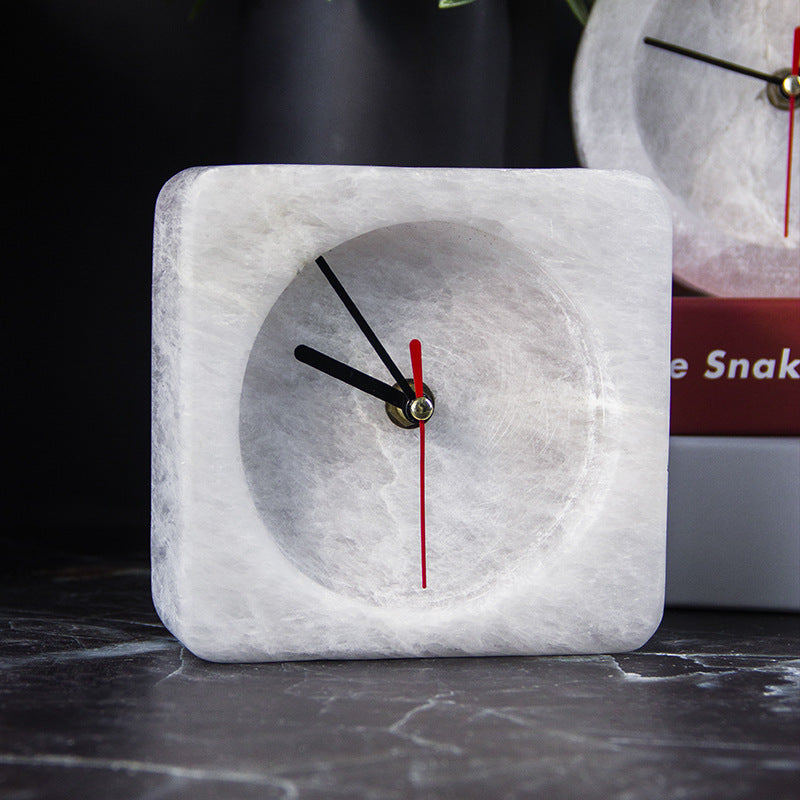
[715,140]
[286,514]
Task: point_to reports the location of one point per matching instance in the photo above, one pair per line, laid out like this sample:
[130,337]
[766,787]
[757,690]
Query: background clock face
[512,457]
[713,136]
[709,136]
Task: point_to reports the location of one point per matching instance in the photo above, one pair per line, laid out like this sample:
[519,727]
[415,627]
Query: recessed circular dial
[510,452]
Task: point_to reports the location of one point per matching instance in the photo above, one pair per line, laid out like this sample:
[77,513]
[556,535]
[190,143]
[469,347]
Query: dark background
[107,99]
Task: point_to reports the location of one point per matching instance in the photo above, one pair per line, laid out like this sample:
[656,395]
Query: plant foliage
[580,8]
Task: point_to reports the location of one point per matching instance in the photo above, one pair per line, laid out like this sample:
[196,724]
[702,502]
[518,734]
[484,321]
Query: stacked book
[734,507]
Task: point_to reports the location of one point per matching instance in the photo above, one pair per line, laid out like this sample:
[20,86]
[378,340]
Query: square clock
[409,412]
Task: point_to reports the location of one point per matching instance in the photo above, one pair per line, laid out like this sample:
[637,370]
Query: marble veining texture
[568,270]
[708,136]
[98,700]
[514,454]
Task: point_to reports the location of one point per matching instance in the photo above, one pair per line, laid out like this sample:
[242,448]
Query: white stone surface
[285,504]
[709,137]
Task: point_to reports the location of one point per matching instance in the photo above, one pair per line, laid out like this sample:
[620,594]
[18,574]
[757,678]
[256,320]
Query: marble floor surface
[98,700]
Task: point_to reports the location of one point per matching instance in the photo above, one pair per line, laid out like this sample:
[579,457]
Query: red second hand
[795,71]
[415,347]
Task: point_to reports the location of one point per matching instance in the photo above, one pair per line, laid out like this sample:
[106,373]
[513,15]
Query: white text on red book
[762,368]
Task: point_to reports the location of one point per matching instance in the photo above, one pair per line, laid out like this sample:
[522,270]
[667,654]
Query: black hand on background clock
[350,375]
[717,62]
[366,330]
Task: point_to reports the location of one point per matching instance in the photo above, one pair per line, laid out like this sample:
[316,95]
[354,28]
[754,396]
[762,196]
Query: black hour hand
[350,375]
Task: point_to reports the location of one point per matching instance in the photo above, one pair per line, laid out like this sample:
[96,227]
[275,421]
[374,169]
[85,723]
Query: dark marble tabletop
[98,700]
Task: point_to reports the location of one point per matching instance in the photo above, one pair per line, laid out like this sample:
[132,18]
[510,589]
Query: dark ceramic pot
[394,82]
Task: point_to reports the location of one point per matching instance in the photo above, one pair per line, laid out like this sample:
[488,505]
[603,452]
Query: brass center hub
[418,410]
[791,85]
[779,95]
[421,408]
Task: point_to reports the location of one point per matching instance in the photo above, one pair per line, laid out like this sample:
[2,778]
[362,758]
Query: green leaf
[581,9]
[196,9]
[453,3]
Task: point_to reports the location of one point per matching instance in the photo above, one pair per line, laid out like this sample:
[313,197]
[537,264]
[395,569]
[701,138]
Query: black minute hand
[365,329]
[717,62]
[350,375]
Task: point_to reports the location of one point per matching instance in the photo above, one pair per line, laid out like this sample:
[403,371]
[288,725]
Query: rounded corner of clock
[180,623]
[652,188]
[646,629]
[201,648]
[178,183]
[164,605]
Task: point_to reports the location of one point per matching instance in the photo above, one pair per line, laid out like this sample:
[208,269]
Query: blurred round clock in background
[714,137]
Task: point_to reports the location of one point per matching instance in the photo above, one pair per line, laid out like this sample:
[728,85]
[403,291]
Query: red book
[735,366]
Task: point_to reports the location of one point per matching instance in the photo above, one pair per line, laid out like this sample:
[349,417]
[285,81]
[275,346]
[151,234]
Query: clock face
[511,451]
[709,136]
